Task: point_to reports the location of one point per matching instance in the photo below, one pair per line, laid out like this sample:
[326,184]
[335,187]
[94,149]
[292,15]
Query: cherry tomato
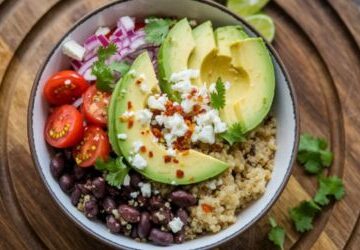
[94,145]
[95,106]
[139,25]
[64,87]
[64,127]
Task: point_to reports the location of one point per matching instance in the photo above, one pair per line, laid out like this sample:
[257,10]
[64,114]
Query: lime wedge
[246,7]
[264,24]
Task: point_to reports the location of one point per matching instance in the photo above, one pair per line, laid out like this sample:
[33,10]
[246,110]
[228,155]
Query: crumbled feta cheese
[126,180]
[176,125]
[144,116]
[160,119]
[73,50]
[211,184]
[184,75]
[122,136]
[176,224]
[157,103]
[138,162]
[187,105]
[127,114]
[146,190]
[212,88]
[171,152]
[102,31]
[182,86]
[205,135]
[144,87]
[219,127]
[137,145]
[134,194]
[169,138]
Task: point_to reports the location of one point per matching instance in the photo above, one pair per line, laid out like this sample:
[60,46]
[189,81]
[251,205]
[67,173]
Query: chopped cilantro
[329,186]
[234,134]
[276,234]
[105,78]
[156,29]
[303,215]
[218,96]
[313,154]
[115,170]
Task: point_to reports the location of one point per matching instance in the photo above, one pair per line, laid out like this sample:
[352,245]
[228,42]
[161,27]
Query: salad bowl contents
[163,129]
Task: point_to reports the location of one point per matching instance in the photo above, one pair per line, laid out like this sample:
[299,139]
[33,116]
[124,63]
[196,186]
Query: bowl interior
[283,108]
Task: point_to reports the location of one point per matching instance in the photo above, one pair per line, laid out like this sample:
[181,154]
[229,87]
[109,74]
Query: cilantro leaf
[313,154]
[276,234]
[121,67]
[106,52]
[329,186]
[233,134]
[303,215]
[218,96]
[115,170]
[156,29]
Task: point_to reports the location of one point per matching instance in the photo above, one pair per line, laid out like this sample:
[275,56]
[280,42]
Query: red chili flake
[207,208]
[142,132]
[129,105]
[196,108]
[193,91]
[143,149]
[167,158]
[157,133]
[138,81]
[175,160]
[130,123]
[179,173]
[151,154]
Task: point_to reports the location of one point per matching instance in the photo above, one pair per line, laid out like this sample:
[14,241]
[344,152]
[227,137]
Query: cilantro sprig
[331,186]
[156,29]
[313,154]
[115,170]
[303,215]
[105,73]
[234,134]
[217,97]
[276,234]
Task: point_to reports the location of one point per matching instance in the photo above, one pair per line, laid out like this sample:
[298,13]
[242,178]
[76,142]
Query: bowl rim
[225,10]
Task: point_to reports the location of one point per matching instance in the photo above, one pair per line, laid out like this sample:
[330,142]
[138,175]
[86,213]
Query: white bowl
[284,108]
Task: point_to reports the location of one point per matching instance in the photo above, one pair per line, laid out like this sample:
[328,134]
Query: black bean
[113,224]
[66,183]
[179,237]
[68,155]
[91,209]
[79,172]
[83,188]
[75,196]
[133,233]
[57,165]
[162,216]
[156,202]
[161,238]
[98,187]
[183,215]
[129,213]
[109,204]
[112,191]
[182,198]
[135,179]
[144,225]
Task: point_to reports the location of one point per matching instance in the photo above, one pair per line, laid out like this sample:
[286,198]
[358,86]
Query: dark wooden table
[318,40]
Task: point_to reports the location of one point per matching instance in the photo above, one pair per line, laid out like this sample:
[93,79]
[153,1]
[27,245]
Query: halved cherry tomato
[64,87]
[94,145]
[95,106]
[64,127]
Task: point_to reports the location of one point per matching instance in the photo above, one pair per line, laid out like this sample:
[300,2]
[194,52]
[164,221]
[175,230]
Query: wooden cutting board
[319,43]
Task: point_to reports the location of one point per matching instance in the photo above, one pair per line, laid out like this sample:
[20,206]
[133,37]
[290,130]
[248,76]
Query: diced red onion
[87,65]
[103,40]
[78,102]
[76,64]
[89,76]
[91,43]
[127,23]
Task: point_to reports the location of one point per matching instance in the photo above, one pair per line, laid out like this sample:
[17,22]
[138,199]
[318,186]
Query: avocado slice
[226,36]
[205,44]
[252,56]
[174,54]
[194,165]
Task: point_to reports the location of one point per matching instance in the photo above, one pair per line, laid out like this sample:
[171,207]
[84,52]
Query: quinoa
[221,198]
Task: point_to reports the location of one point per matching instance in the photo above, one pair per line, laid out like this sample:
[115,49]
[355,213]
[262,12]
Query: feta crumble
[146,189]
[182,86]
[137,145]
[73,50]
[144,116]
[187,105]
[184,75]
[134,194]
[171,152]
[157,103]
[176,224]
[176,124]
[138,162]
[126,181]
[122,136]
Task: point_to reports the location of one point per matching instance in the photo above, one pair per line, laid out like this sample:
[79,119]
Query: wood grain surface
[319,42]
